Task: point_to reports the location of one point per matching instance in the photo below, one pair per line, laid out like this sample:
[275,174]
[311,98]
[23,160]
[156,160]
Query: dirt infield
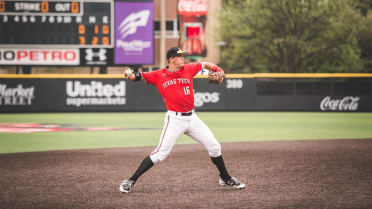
[301,174]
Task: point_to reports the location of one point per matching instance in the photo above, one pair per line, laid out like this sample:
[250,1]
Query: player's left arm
[216,75]
[211,67]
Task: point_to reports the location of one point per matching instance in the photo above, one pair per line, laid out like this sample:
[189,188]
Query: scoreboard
[76,32]
[75,23]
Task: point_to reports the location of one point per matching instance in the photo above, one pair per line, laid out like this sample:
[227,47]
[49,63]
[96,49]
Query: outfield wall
[253,92]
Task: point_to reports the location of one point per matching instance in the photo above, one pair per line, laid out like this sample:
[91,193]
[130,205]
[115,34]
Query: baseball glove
[216,77]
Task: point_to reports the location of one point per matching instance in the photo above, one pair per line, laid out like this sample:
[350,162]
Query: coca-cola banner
[192,7]
[193,18]
[238,94]
[348,103]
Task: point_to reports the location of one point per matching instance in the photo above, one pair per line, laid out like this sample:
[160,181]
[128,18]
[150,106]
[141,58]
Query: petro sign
[348,103]
[39,57]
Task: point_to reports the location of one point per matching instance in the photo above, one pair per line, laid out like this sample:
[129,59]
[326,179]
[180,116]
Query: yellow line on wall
[253,75]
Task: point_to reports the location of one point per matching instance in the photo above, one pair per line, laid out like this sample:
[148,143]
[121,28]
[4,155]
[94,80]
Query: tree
[364,33]
[363,6]
[289,36]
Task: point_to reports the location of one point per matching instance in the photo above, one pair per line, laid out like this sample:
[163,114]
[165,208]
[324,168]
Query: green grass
[227,127]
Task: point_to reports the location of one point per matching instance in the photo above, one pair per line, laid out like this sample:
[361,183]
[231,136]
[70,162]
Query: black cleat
[126,185]
[234,182]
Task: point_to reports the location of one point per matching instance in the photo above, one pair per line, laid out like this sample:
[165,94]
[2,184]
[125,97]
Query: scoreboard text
[56,23]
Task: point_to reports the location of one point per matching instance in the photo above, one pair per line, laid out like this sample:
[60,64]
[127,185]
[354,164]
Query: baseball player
[175,84]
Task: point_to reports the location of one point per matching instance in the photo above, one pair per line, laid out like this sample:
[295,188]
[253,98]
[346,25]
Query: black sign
[107,95]
[57,24]
[94,56]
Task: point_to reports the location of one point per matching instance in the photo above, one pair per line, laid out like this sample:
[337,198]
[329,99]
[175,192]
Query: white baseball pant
[175,125]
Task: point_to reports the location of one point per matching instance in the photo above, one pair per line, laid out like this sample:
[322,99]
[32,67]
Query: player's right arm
[148,77]
[130,75]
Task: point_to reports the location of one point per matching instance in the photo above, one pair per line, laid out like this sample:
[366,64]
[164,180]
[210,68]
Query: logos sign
[348,103]
[134,33]
[39,56]
[201,98]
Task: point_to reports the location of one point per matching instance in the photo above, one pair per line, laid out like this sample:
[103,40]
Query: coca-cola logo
[348,103]
[193,6]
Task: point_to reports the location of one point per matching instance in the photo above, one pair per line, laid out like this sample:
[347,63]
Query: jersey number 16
[186,90]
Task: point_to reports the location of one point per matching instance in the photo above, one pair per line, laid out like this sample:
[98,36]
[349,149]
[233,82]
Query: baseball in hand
[128,72]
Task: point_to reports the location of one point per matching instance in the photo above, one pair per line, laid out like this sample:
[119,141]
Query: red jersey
[176,88]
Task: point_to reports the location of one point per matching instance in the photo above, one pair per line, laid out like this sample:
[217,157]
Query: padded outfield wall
[249,92]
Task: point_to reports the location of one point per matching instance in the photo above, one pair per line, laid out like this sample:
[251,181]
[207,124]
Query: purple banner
[134,33]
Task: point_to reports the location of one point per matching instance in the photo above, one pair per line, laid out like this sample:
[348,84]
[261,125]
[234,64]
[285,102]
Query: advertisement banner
[39,56]
[77,95]
[192,7]
[95,92]
[19,95]
[134,33]
[193,17]
[347,103]
[96,56]
[119,95]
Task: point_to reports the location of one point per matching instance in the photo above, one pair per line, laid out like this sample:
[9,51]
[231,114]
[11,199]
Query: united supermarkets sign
[95,93]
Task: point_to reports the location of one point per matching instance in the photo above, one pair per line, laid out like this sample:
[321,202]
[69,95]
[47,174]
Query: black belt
[184,113]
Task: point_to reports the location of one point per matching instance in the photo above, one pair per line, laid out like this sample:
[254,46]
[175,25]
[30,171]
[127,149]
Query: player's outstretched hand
[128,74]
